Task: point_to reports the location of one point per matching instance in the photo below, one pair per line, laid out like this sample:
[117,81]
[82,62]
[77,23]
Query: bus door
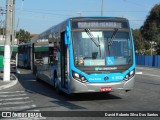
[64,63]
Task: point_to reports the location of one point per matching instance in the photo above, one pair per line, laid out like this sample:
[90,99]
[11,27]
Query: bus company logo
[107,68]
[106,78]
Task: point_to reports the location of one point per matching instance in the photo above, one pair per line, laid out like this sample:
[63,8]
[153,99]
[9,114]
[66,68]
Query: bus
[24,55]
[13,61]
[86,54]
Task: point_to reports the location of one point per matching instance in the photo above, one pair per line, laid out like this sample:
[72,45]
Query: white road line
[16,95]
[33,110]
[139,73]
[12,92]
[17,108]
[10,99]
[15,103]
[151,69]
[40,118]
[152,75]
[18,71]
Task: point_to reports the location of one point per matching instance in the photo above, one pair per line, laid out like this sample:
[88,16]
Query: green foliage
[158,48]
[23,36]
[151,28]
[139,42]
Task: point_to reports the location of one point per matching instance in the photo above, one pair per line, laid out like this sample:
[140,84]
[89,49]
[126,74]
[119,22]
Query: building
[2,40]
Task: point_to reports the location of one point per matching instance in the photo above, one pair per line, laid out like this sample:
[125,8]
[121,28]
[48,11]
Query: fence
[148,60]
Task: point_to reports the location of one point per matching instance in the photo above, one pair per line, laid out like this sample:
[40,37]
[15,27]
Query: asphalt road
[39,96]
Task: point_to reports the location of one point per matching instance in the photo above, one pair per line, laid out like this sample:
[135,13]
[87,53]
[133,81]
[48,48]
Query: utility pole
[13,22]
[102,9]
[7,44]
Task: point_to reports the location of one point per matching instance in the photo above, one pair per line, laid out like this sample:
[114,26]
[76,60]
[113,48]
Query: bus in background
[24,55]
[13,61]
[86,54]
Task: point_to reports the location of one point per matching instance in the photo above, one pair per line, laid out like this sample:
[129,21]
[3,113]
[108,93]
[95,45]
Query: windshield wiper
[92,37]
[97,43]
[110,42]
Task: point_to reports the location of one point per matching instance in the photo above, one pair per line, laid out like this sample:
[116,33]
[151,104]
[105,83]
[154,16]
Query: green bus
[13,62]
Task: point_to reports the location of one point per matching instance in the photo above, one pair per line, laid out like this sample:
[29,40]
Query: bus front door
[64,63]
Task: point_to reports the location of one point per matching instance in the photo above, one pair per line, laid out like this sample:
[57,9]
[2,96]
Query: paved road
[40,96]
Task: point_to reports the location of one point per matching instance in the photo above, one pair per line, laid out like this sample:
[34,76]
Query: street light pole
[6,75]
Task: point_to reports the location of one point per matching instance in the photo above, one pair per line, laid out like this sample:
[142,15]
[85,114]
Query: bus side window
[54,55]
[51,55]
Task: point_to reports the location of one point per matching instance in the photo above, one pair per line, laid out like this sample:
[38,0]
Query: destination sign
[99,24]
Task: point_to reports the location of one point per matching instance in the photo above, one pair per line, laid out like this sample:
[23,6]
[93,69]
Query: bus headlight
[79,77]
[129,75]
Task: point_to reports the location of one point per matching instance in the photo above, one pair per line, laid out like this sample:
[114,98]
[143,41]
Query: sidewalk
[152,67]
[7,84]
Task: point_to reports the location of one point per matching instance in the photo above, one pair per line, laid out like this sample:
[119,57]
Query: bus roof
[81,18]
[98,17]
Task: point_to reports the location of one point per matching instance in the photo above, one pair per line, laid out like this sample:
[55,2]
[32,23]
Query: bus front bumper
[78,87]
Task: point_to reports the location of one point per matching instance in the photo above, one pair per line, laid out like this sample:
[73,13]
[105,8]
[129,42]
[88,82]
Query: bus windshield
[111,51]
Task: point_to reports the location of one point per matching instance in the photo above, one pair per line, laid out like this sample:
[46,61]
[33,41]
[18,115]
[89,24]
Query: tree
[138,41]
[158,48]
[151,28]
[141,45]
[23,36]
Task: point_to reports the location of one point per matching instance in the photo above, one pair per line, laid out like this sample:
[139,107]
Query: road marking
[12,92]
[40,118]
[33,110]
[18,71]
[139,73]
[10,99]
[16,95]
[151,75]
[17,108]
[16,103]
[151,69]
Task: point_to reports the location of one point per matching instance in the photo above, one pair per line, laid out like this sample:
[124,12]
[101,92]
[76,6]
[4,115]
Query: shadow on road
[29,83]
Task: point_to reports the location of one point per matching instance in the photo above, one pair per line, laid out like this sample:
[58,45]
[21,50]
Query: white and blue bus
[86,54]
[24,55]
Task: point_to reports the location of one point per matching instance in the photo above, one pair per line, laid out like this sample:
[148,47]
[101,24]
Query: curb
[10,84]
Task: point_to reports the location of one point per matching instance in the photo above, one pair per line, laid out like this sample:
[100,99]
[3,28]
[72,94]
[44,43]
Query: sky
[35,16]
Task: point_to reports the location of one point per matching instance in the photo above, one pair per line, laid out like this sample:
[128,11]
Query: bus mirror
[67,41]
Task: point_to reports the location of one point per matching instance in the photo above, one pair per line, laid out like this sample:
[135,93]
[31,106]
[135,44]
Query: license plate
[106,89]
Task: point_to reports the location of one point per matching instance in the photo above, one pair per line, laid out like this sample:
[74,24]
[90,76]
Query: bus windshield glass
[111,51]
